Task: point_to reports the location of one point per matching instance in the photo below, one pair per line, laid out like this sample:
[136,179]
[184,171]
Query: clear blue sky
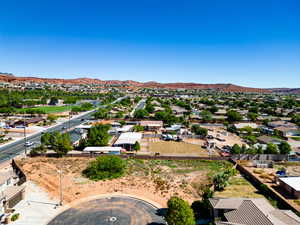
[246,42]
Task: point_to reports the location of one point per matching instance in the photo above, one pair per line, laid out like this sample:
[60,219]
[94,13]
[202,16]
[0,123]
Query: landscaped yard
[177,148]
[52,109]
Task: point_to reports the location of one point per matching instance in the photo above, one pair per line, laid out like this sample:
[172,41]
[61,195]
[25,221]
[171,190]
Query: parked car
[210,137]
[220,139]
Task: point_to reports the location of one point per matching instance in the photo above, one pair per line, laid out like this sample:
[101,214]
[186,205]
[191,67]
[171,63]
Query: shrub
[105,167]
[15,216]
[179,212]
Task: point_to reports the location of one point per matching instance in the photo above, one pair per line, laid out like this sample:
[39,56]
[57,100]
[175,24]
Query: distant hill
[4,77]
[286,90]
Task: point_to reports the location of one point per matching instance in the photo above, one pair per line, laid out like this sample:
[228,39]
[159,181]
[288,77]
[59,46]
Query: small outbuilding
[291,185]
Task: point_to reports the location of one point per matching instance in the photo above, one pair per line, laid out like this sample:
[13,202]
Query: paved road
[110,211]
[140,105]
[11,150]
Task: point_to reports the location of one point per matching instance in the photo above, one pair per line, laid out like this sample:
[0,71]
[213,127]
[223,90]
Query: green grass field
[52,109]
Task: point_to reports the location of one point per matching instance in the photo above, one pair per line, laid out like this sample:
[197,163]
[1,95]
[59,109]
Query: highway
[13,149]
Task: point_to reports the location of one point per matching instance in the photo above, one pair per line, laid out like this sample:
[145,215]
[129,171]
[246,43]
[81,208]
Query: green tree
[179,212]
[206,116]
[220,181]
[236,149]
[101,114]
[252,116]
[136,146]
[138,128]
[140,114]
[271,149]
[46,139]
[62,144]
[98,135]
[284,148]
[233,116]
[105,167]
[52,118]
[199,130]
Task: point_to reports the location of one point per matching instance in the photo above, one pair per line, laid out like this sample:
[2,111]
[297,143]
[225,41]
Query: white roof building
[293,182]
[104,149]
[128,138]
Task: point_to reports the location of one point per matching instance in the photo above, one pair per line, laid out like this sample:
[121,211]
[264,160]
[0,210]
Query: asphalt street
[9,151]
[110,211]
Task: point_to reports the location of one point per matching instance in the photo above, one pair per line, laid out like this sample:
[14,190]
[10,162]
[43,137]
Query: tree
[199,130]
[213,109]
[105,167]
[138,128]
[236,149]
[179,212]
[53,100]
[98,135]
[51,118]
[140,114]
[284,148]
[101,114]
[60,143]
[252,116]
[149,108]
[202,208]
[220,181]
[206,116]
[296,119]
[233,116]
[136,146]
[271,149]
[46,139]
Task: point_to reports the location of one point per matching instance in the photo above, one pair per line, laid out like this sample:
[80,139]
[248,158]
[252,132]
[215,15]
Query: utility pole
[25,137]
[69,120]
[60,186]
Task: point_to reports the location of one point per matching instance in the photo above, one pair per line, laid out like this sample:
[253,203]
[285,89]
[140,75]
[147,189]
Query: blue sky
[251,42]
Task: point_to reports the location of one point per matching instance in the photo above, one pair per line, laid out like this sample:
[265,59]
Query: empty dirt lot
[156,180]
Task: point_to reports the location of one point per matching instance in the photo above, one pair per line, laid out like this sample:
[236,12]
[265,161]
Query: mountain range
[10,78]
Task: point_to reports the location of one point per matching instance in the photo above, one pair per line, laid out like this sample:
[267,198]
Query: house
[117,130]
[250,211]
[29,122]
[127,140]
[267,139]
[177,110]
[291,185]
[243,125]
[10,193]
[281,123]
[288,131]
[153,125]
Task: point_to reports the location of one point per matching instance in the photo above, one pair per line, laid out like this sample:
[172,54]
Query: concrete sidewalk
[37,208]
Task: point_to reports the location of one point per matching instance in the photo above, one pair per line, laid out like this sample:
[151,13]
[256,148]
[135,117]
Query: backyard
[177,148]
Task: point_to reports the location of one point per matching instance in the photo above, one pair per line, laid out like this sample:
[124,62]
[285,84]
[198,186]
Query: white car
[28,144]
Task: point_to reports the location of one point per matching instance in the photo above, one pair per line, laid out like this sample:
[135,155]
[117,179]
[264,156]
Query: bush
[179,212]
[15,216]
[105,167]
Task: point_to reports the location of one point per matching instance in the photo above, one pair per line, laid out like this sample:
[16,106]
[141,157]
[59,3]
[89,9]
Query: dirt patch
[177,148]
[156,180]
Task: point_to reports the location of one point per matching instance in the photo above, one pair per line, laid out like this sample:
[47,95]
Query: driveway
[117,210]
